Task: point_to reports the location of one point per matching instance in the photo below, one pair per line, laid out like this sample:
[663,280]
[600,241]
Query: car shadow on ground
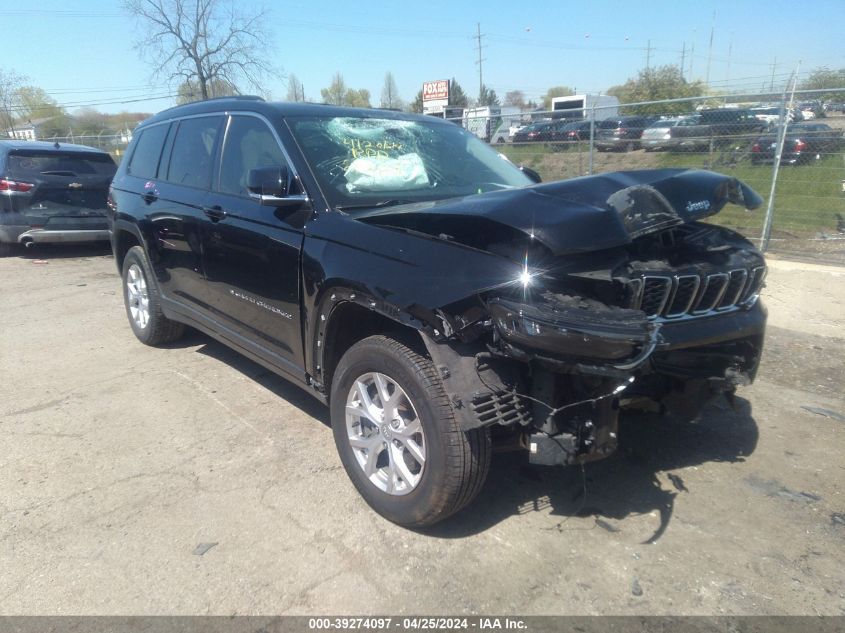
[621,486]
[273,382]
[62,251]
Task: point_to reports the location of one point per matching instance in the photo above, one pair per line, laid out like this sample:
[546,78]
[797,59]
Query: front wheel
[397,436]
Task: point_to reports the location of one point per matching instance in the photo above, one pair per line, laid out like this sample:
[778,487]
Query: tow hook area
[591,433]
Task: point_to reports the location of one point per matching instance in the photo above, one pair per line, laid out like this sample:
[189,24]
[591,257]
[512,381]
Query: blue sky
[82,52]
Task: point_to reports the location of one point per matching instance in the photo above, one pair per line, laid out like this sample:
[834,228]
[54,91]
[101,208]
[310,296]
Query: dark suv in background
[622,133]
[51,192]
[429,291]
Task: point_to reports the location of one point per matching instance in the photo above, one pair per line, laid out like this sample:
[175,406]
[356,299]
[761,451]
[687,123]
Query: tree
[339,94]
[203,41]
[10,83]
[457,96]
[357,98]
[487,96]
[655,84]
[515,98]
[826,79]
[296,92]
[390,93]
[417,104]
[91,121]
[556,91]
[335,92]
[33,103]
[190,91]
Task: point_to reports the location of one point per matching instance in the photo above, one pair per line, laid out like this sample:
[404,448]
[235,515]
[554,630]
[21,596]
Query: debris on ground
[636,589]
[833,415]
[202,548]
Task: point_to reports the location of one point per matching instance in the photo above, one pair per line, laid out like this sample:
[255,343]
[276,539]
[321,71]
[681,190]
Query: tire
[455,463]
[142,299]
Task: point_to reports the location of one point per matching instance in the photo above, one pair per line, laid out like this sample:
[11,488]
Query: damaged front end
[662,320]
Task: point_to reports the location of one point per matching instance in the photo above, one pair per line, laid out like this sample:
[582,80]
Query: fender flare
[326,309]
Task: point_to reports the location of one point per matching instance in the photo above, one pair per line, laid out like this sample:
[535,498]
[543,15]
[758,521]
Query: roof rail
[241,97]
[236,97]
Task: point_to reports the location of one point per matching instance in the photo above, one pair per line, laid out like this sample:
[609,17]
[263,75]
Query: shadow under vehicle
[429,291]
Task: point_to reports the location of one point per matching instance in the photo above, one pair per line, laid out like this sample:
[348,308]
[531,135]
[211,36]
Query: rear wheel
[397,436]
[143,302]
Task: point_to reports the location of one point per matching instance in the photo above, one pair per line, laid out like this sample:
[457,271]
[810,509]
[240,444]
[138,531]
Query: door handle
[216,213]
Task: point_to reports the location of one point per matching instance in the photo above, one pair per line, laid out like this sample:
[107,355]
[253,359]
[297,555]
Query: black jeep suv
[431,292]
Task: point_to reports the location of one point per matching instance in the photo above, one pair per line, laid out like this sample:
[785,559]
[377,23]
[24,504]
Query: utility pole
[710,50]
[730,49]
[648,56]
[683,59]
[692,54]
[478,37]
[774,66]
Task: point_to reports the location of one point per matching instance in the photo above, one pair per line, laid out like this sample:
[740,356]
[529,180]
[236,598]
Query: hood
[578,215]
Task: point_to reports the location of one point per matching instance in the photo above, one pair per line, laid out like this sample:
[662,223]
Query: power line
[91,104]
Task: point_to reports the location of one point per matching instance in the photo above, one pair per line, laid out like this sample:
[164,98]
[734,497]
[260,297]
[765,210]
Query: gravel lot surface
[189,480]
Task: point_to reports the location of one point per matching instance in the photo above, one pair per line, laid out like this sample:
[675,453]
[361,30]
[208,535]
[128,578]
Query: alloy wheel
[385,433]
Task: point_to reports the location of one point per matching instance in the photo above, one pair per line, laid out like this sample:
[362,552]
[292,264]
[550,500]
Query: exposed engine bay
[663,320]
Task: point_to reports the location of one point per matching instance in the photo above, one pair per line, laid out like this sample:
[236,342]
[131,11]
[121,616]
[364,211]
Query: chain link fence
[114,144]
[803,214]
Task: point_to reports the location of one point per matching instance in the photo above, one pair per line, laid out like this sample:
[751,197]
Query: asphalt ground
[189,480]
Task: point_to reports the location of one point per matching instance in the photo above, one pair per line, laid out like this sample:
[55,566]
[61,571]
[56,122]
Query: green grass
[807,197]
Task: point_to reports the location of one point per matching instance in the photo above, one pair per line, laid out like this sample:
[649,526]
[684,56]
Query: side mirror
[270,186]
[533,175]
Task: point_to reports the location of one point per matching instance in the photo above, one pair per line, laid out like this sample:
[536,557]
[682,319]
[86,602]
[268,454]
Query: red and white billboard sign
[436,90]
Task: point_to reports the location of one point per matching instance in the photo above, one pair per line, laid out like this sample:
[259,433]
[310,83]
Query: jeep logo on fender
[703,205]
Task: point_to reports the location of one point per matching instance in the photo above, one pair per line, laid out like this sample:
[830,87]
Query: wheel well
[351,323]
[125,240]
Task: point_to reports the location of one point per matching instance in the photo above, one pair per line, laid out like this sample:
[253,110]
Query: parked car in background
[51,192]
[720,125]
[577,131]
[804,142]
[658,135]
[541,132]
[771,115]
[432,294]
[621,133]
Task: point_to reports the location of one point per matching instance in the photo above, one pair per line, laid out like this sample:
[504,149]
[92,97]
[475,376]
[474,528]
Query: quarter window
[144,161]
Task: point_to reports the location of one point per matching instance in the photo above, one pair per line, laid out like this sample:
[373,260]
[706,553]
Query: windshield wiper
[374,205]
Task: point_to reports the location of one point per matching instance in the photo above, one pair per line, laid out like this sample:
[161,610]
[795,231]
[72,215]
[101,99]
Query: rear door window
[144,161]
[193,152]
